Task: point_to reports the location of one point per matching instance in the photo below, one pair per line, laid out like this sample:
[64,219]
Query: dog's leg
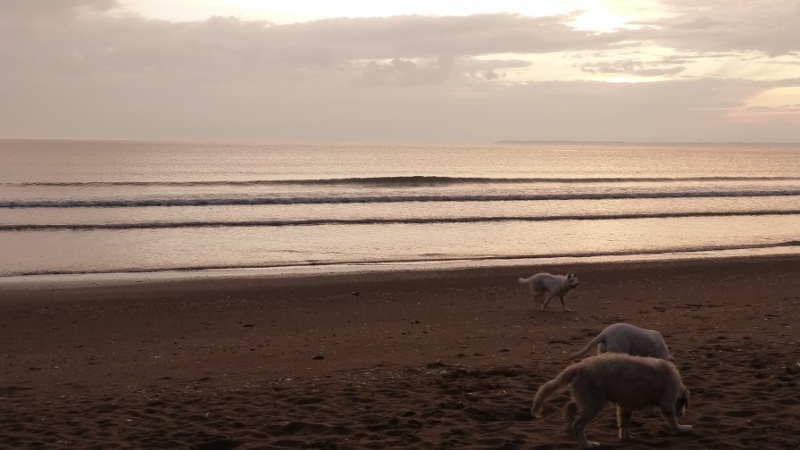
[624,422]
[562,303]
[672,420]
[588,411]
[570,411]
[547,300]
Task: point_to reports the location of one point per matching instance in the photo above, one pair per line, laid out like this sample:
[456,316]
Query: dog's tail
[560,383]
[528,282]
[592,344]
[544,392]
[531,282]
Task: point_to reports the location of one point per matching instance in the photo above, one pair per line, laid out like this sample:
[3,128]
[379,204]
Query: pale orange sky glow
[412,71]
[771,106]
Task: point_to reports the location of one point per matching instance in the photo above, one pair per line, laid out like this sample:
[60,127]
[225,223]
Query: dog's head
[572,280]
[682,404]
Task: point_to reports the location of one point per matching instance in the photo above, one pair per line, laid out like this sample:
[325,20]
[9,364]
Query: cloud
[127,43]
[403,72]
[74,69]
[16,10]
[116,42]
[630,67]
[768,26]
[430,36]
[438,71]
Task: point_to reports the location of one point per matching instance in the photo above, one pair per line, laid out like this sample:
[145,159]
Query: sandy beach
[433,359]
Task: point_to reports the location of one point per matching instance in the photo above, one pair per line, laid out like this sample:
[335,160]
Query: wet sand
[433,359]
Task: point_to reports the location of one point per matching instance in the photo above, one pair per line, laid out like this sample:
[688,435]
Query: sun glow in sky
[601,21]
[781,103]
[782,97]
[420,70]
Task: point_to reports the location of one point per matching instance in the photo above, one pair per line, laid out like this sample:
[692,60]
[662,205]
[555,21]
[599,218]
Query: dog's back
[536,281]
[547,282]
[630,339]
[633,381]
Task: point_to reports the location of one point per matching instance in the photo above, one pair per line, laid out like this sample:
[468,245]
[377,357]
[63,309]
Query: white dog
[630,339]
[632,382]
[549,286]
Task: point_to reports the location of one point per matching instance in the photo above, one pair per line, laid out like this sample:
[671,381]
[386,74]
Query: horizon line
[500,142]
[576,141]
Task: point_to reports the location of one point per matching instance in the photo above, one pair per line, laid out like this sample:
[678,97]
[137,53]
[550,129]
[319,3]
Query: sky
[408,71]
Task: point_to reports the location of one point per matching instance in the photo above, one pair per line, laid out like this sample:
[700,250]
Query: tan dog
[549,286]
[630,339]
[632,382]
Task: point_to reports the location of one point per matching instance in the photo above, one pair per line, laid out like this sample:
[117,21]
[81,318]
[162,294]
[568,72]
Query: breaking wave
[341,199]
[382,221]
[399,181]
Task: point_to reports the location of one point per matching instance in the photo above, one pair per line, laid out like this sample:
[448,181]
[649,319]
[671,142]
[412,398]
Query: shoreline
[423,359]
[75,280]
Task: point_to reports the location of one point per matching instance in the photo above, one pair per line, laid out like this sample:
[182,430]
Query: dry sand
[447,359]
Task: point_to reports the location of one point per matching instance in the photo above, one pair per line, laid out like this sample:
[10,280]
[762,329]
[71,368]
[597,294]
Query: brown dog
[632,382]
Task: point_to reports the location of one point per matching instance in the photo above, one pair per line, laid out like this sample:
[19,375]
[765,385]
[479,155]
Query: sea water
[75,207]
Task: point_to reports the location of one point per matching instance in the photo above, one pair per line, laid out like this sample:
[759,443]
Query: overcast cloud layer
[708,70]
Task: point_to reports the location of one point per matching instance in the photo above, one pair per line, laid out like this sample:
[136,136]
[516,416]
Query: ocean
[96,207]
